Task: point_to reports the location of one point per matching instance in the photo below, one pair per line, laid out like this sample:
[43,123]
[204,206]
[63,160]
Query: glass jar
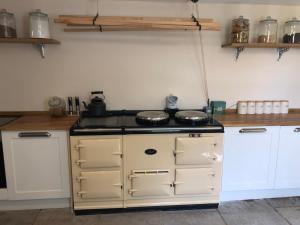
[292,31]
[267,30]
[240,30]
[39,24]
[7,24]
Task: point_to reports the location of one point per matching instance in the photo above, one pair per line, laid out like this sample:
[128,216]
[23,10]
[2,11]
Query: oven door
[99,153]
[100,184]
[146,183]
[194,181]
[195,150]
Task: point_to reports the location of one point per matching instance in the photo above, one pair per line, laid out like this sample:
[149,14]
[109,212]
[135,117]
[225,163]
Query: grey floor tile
[64,217]
[292,214]
[25,217]
[284,202]
[256,212]
[191,217]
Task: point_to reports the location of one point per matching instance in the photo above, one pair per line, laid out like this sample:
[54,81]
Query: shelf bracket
[281,51]
[41,48]
[239,50]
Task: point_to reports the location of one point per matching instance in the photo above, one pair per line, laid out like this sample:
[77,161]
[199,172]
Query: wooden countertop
[40,122]
[236,120]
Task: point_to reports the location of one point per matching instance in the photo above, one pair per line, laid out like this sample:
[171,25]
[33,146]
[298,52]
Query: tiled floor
[259,212]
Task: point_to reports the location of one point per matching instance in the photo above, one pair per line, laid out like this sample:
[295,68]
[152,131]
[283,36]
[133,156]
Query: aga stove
[135,159]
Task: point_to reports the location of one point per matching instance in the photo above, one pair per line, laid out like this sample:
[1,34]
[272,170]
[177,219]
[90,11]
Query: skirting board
[35,204]
[258,194]
[3,194]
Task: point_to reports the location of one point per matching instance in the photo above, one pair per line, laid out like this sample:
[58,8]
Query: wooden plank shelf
[131,23]
[39,42]
[281,47]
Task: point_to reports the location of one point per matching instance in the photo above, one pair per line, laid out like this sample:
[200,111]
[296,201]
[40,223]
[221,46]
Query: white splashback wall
[138,69]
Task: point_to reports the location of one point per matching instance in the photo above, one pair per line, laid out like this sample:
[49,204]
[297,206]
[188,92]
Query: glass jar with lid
[240,30]
[267,30]
[292,31]
[7,24]
[39,24]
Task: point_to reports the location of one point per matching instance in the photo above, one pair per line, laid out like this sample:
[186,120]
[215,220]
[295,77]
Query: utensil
[70,103]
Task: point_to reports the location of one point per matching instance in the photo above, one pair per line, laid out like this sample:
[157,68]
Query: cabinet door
[36,164]
[100,184]
[150,183]
[194,181]
[191,151]
[288,166]
[249,158]
[99,153]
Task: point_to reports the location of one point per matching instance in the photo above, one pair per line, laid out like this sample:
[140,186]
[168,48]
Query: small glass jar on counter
[292,31]
[267,30]
[7,24]
[39,24]
[240,30]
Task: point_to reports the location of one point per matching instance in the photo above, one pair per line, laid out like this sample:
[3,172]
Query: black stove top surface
[124,122]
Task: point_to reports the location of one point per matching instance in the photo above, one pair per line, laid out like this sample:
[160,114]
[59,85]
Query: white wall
[138,69]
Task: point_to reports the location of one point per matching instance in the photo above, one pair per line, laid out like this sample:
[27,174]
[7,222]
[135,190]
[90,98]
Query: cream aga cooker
[133,159]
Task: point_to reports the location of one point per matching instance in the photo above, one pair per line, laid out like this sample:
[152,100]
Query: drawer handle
[78,162]
[79,146]
[80,193]
[253,130]
[297,130]
[79,179]
[131,191]
[34,134]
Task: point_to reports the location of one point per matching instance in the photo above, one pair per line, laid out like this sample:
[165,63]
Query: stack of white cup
[263,107]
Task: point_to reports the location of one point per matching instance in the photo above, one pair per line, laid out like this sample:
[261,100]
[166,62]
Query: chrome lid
[152,115]
[191,115]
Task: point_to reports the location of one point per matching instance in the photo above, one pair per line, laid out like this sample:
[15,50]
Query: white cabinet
[36,164]
[249,158]
[288,165]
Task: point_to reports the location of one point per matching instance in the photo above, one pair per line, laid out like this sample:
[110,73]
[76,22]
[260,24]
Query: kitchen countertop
[40,122]
[235,120]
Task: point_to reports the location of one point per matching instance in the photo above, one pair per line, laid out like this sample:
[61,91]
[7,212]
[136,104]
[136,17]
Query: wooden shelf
[77,23]
[281,47]
[39,42]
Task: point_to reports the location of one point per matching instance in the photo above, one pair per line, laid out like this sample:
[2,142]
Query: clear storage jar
[240,30]
[39,24]
[292,31]
[7,24]
[267,30]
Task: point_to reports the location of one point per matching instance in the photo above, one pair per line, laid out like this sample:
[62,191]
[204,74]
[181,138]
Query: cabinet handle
[34,134]
[253,130]
[297,130]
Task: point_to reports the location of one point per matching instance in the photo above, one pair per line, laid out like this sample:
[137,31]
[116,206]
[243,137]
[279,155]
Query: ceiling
[280,2]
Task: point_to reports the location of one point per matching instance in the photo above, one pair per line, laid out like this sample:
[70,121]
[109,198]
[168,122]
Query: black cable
[197,22]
